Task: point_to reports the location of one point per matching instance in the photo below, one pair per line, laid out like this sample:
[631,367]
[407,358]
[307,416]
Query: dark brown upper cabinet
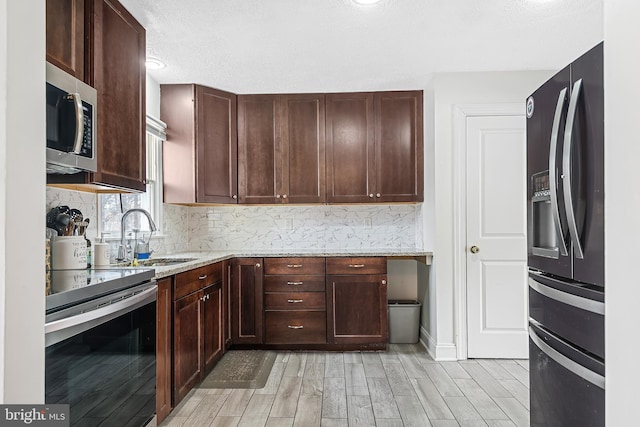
[65,35]
[201,160]
[117,71]
[375,147]
[281,149]
[114,64]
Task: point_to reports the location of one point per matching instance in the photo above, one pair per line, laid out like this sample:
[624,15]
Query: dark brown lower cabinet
[357,302]
[187,332]
[246,301]
[212,326]
[163,349]
[198,326]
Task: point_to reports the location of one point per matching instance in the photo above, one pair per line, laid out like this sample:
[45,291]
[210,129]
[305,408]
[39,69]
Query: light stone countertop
[205,258]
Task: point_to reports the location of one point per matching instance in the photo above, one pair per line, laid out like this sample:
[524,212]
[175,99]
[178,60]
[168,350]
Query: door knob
[474,249]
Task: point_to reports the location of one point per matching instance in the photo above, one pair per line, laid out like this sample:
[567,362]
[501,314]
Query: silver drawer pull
[356,265]
[294,301]
[204,276]
[295,283]
[295,326]
[294,265]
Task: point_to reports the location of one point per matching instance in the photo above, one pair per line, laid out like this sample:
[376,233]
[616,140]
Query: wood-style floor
[401,387]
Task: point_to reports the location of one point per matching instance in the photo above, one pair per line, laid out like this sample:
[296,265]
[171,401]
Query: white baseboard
[439,352]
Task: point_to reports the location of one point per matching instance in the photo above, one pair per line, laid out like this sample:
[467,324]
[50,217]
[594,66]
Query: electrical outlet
[367,223]
[288,224]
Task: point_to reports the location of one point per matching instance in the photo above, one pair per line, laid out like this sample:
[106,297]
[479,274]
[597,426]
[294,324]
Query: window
[111,206]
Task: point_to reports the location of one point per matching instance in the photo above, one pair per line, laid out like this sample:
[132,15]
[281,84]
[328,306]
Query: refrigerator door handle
[562,97]
[566,170]
[576,301]
[584,373]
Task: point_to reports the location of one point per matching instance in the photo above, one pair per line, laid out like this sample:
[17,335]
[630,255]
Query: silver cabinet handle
[584,373]
[295,327]
[566,170]
[294,301]
[277,196]
[378,195]
[284,196]
[204,276]
[235,196]
[356,265]
[562,97]
[258,265]
[384,282]
[77,103]
[294,265]
[295,283]
[371,196]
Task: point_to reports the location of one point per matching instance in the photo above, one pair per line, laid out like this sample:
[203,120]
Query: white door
[496,249]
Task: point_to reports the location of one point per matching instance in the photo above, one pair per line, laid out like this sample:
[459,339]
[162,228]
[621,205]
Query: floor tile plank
[398,380]
[286,399]
[360,411]
[295,365]
[257,411]
[313,379]
[443,382]
[356,381]
[454,370]
[225,421]
[334,365]
[334,398]
[517,371]
[518,391]
[518,413]
[487,408]
[384,407]
[273,382]
[496,370]
[236,403]
[412,412]
[279,422]
[309,412]
[432,401]
[462,409]
[411,366]
[486,381]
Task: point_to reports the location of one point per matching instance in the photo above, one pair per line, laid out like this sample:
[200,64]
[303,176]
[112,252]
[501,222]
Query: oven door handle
[60,330]
[584,373]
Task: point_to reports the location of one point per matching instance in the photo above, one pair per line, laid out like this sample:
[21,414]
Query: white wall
[153,98]
[447,90]
[22,200]
[622,207]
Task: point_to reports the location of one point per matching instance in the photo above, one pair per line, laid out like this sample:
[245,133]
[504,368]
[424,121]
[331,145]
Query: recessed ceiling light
[367,2]
[154,63]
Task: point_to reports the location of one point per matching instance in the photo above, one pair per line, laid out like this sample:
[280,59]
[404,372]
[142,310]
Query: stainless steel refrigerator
[565,166]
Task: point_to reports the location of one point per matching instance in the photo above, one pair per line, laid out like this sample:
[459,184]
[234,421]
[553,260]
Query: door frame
[460,114]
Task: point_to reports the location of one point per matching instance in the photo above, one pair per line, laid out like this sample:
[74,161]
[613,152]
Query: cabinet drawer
[294,283]
[300,265]
[296,327]
[295,301]
[198,278]
[357,265]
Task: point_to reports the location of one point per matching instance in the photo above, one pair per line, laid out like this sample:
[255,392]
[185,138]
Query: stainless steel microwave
[71,123]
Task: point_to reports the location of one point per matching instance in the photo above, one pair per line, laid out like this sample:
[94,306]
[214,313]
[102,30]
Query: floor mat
[241,369]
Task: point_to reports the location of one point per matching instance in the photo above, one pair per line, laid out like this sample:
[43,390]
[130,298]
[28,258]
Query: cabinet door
[350,148]
[65,35]
[163,349]
[117,72]
[187,354]
[212,326]
[217,146]
[303,155]
[226,297]
[357,309]
[259,149]
[246,295]
[399,147]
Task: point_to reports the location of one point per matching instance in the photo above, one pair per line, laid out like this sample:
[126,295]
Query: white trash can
[404,321]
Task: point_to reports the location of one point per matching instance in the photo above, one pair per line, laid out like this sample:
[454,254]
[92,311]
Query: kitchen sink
[158,262]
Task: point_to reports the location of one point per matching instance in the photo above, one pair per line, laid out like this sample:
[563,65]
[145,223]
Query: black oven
[100,352]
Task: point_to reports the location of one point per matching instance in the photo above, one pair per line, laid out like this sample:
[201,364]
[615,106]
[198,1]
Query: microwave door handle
[566,170]
[77,146]
[553,188]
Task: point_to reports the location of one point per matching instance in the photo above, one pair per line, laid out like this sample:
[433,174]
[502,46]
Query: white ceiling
[272,46]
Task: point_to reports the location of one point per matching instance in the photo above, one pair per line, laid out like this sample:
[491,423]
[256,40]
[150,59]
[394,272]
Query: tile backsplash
[207,228]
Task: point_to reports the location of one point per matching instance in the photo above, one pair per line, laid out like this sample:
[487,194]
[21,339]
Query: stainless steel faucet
[122,249]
